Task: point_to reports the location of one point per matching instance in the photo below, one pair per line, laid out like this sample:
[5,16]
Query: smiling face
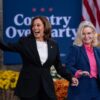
[38,29]
[87,35]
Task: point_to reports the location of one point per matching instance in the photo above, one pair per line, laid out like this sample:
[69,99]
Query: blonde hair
[78,39]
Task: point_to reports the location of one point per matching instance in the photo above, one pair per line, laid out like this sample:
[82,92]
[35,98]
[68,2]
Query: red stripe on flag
[97,11]
[83,18]
[86,4]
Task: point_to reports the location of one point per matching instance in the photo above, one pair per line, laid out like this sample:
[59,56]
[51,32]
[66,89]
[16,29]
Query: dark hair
[47,26]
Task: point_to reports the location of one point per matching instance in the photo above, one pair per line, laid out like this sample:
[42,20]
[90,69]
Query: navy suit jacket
[78,60]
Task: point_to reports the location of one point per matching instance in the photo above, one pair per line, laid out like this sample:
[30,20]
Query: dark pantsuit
[35,77]
[88,88]
[40,96]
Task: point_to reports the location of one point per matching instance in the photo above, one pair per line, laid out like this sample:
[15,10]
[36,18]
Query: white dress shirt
[42,50]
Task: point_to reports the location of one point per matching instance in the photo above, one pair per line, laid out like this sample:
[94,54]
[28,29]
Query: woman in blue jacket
[84,63]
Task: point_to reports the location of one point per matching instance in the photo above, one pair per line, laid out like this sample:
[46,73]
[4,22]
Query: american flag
[91,12]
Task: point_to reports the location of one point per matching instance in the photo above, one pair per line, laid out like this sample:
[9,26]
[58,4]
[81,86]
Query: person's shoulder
[97,48]
[22,38]
[75,49]
[75,46]
[52,41]
[26,38]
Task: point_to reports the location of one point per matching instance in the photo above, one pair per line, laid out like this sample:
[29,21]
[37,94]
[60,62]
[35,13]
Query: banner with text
[64,15]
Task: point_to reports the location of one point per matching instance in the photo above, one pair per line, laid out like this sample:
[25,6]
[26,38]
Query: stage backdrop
[64,15]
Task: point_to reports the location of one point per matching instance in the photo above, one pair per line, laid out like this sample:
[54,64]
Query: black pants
[42,95]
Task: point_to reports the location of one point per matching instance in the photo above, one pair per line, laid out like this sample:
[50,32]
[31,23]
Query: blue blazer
[78,60]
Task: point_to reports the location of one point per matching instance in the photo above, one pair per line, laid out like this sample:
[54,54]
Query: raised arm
[10,46]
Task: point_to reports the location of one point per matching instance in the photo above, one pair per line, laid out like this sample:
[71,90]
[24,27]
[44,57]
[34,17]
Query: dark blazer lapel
[85,54]
[35,51]
[97,57]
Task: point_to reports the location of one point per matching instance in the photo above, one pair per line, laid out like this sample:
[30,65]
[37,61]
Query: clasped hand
[84,73]
[75,82]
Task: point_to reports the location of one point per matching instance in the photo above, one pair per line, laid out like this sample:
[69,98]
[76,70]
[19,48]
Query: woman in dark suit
[38,52]
[84,63]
